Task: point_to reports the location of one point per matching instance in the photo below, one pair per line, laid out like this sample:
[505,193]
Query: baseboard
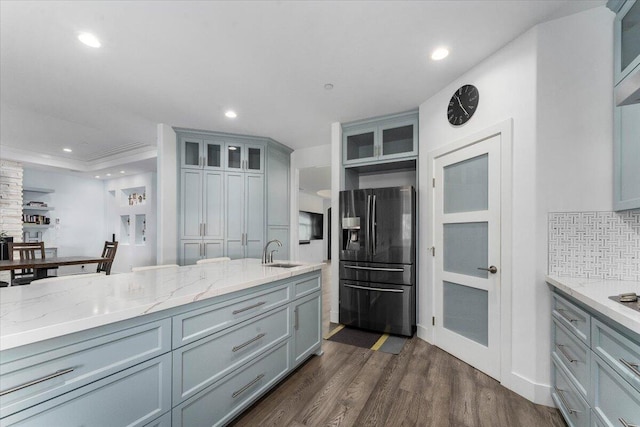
[334,316]
[424,333]
[537,393]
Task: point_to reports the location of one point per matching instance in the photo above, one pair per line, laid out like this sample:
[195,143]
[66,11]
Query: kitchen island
[595,352]
[193,345]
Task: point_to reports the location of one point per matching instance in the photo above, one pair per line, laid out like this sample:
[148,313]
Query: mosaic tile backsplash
[595,244]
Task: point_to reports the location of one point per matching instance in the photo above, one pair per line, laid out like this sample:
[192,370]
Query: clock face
[463,104]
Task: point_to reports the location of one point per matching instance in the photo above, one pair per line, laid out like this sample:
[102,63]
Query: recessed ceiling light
[232,148]
[439,53]
[121,171]
[108,174]
[326,194]
[231,114]
[67,150]
[89,39]
[328,86]
[97,176]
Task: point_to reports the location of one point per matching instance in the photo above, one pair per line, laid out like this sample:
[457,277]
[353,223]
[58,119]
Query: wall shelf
[27,226]
[38,190]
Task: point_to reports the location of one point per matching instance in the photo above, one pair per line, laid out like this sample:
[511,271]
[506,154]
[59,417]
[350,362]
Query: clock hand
[460,103]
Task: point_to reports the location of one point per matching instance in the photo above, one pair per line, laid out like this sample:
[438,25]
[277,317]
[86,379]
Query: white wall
[167,195]
[79,204]
[300,159]
[131,253]
[561,148]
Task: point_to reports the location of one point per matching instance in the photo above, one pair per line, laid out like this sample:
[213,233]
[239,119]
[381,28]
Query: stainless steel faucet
[268,256]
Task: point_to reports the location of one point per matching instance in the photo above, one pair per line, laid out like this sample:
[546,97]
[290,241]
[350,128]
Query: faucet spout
[266,255]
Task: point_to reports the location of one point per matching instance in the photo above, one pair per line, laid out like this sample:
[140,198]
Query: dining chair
[154,267]
[32,250]
[67,277]
[211,260]
[108,252]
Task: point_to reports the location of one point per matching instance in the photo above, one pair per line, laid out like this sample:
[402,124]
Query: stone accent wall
[10,202]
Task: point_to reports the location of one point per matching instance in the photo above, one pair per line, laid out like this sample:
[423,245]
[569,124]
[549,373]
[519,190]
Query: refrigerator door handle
[356,267]
[368,228]
[374,226]
[375,289]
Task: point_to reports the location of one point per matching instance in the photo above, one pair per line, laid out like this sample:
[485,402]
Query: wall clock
[463,104]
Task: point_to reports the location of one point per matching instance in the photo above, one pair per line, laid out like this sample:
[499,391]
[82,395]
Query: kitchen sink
[283,265]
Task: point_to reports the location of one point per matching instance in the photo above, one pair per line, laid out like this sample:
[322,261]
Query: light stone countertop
[37,312]
[595,293]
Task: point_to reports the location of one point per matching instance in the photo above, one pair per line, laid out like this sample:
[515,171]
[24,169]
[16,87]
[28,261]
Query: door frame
[505,130]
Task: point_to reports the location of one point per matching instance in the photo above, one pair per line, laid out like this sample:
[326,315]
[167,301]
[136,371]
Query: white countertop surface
[595,293]
[38,312]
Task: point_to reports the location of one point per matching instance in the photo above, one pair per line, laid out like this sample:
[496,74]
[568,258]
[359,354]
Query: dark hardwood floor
[422,386]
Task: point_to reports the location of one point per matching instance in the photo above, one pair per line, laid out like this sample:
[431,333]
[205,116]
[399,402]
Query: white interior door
[467,241]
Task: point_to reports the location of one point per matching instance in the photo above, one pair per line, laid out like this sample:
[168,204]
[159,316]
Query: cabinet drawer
[202,363]
[163,421]
[223,401]
[613,399]
[573,407]
[197,324]
[305,287]
[575,319]
[573,354]
[132,397]
[619,351]
[66,368]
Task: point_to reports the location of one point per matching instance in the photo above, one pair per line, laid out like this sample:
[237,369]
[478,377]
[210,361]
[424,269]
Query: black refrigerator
[377,259]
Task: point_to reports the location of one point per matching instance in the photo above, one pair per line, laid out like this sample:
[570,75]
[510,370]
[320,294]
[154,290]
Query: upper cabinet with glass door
[244,156]
[387,138]
[626,51]
[198,153]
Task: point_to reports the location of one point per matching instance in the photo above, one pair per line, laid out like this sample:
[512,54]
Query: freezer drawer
[378,307]
[398,274]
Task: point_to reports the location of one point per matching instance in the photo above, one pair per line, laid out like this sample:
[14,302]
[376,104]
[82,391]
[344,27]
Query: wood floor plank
[422,386]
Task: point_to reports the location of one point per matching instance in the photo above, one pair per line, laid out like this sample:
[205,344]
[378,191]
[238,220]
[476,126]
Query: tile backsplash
[595,244]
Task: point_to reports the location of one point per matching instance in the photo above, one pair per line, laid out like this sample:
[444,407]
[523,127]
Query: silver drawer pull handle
[254,339]
[560,394]
[625,423]
[38,381]
[248,386]
[565,353]
[355,267]
[248,308]
[632,366]
[562,313]
[366,288]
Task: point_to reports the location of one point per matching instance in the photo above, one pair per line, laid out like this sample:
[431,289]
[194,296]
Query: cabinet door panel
[278,188]
[213,205]
[213,249]
[254,158]
[307,327]
[233,155]
[282,234]
[191,152]
[234,238]
[359,145]
[191,209]
[190,251]
[213,154]
[254,199]
[627,157]
[399,139]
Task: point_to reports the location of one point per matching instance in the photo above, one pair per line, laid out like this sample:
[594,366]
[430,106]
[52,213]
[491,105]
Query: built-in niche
[134,196]
[141,229]
[125,229]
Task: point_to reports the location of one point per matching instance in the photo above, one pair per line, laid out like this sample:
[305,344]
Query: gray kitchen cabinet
[278,196]
[201,214]
[382,139]
[626,51]
[244,156]
[200,153]
[244,231]
[626,157]
[307,326]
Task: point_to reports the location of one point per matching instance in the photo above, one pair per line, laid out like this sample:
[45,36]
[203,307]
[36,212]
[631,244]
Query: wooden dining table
[41,265]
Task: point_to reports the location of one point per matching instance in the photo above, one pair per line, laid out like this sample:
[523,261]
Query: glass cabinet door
[213,154]
[234,156]
[627,34]
[399,139]
[191,152]
[359,145]
[254,158]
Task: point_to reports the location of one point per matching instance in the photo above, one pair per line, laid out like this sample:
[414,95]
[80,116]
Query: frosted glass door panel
[397,140]
[214,156]
[360,146]
[191,153]
[234,156]
[630,36]
[465,311]
[466,185]
[465,247]
[630,151]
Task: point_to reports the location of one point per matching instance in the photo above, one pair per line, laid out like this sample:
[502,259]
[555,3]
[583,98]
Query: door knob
[492,269]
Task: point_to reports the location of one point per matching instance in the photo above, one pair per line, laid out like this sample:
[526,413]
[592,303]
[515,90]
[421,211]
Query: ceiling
[184,63]
[315,179]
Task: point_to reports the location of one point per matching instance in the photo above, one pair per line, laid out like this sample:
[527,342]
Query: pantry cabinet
[234,194]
